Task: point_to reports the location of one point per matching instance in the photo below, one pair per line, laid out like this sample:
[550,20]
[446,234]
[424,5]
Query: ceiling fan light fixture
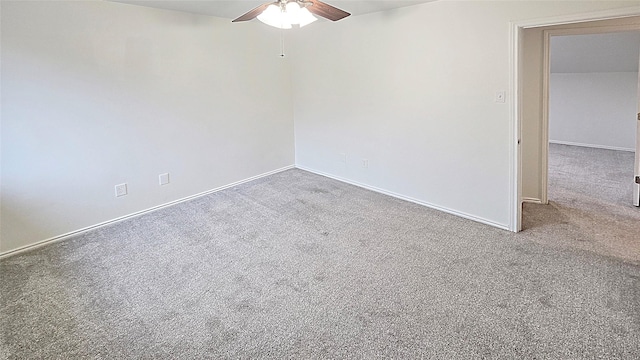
[284,16]
[291,10]
[274,16]
[283,13]
[305,17]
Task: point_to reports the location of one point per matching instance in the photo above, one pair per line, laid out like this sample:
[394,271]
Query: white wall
[594,109]
[97,93]
[412,91]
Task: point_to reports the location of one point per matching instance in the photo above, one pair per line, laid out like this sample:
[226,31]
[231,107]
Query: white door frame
[515,102]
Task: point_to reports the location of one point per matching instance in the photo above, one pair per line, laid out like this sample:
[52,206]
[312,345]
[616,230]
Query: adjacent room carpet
[590,203]
[296,265]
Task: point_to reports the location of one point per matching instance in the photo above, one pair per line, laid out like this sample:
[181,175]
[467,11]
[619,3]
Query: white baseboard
[606,147]
[138,213]
[410,199]
[531,200]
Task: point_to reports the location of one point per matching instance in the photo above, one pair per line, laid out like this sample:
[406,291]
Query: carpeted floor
[590,203]
[296,265]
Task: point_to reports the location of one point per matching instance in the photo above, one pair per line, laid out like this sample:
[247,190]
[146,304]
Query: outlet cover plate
[121,190]
[163,178]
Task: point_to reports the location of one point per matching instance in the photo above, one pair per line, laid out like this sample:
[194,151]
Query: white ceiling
[612,52]
[232,9]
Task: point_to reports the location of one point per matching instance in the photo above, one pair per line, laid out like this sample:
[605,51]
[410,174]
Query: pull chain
[282,43]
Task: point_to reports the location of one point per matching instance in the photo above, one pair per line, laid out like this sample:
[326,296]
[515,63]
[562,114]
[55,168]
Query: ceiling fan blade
[253,13]
[326,11]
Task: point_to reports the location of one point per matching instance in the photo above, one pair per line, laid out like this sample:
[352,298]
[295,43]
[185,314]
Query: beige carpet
[590,203]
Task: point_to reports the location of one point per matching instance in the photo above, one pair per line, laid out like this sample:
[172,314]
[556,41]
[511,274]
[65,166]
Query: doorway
[593,100]
[597,69]
[530,109]
[589,225]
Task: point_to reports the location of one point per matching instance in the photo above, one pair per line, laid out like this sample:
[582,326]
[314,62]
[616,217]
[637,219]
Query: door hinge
[637,179]
[638,116]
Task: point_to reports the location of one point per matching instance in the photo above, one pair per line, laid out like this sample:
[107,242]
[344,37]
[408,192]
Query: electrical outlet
[343,158]
[163,178]
[121,190]
[365,163]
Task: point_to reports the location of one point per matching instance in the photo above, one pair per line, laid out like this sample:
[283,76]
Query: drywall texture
[532,96]
[96,94]
[594,109]
[412,91]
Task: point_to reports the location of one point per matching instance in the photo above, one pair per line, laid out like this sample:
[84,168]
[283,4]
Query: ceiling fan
[283,13]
